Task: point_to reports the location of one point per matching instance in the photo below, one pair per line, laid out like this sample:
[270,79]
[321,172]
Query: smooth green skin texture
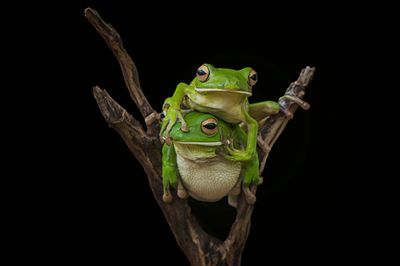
[226,133]
[224,94]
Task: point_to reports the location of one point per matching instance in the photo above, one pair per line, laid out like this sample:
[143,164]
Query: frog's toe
[238,156]
[249,196]
[182,193]
[167,197]
[296,100]
[286,112]
[235,190]
[165,139]
[168,141]
[184,127]
[232,200]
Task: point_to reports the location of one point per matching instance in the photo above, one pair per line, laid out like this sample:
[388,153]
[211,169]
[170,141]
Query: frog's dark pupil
[210,126]
[201,72]
[253,77]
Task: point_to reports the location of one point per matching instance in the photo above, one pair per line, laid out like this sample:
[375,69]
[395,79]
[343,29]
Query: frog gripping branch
[195,162]
[199,247]
[223,93]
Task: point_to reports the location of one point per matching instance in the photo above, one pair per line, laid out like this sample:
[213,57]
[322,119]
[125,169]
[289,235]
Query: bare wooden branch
[274,126]
[128,67]
[200,248]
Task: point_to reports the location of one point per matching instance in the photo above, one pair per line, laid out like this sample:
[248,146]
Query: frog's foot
[296,100]
[167,196]
[237,155]
[171,116]
[255,181]
[286,112]
[166,140]
[182,193]
[236,189]
[249,196]
[232,200]
[233,194]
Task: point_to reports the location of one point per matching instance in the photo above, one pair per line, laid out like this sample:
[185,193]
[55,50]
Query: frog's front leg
[261,110]
[169,171]
[172,110]
[251,177]
[292,98]
[251,143]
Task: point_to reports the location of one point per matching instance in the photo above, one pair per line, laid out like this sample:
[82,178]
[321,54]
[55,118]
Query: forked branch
[200,248]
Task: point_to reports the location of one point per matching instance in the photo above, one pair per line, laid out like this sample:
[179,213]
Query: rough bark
[200,248]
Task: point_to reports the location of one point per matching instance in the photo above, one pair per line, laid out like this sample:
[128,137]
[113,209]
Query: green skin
[205,147]
[224,94]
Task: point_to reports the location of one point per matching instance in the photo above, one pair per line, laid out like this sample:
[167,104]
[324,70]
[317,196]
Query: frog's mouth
[211,143]
[195,150]
[205,90]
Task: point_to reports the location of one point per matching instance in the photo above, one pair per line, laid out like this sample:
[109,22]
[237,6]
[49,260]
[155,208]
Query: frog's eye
[203,73]
[209,126]
[253,78]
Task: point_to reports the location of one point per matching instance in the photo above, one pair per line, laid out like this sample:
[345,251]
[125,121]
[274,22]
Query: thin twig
[128,67]
[274,126]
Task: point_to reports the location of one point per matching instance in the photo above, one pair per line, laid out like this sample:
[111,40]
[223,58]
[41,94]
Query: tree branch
[274,125]
[269,133]
[128,67]
[200,248]
[120,120]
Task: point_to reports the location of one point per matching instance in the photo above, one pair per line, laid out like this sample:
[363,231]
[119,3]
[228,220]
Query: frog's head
[206,134]
[204,129]
[209,78]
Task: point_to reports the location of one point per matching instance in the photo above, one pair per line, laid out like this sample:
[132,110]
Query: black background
[101,204]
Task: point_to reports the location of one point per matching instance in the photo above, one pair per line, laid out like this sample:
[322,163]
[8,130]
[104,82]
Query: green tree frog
[194,161]
[222,92]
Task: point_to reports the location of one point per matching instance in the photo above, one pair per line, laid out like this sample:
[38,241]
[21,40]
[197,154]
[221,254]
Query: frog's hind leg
[232,200]
[250,196]
[236,189]
[234,193]
[167,197]
[169,171]
[182,192]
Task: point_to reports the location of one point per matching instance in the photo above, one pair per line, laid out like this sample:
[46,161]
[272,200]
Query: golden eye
[209,126]
[253,78]
[203,73]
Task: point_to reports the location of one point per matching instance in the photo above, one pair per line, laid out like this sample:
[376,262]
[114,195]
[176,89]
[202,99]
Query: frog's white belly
[210,180]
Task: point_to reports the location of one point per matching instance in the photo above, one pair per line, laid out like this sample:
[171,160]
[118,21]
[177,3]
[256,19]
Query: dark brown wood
[128,67]
[200,248]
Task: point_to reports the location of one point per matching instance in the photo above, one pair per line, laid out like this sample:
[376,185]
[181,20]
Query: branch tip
[97,89]
[90,12]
